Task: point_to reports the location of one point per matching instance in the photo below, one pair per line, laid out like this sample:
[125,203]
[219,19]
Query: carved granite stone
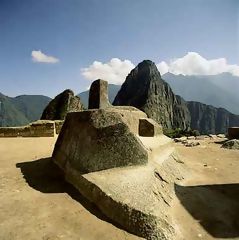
[98,96]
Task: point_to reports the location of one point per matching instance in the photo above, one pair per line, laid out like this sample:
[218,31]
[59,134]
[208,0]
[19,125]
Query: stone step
[160,147]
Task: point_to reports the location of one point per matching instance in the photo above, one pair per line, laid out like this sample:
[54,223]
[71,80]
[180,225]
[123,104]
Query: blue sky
[79,32]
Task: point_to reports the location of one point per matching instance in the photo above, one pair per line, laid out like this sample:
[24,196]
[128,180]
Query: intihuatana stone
[98,96]
[103,156]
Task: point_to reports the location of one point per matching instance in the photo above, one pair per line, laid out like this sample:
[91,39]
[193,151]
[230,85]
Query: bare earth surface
[36,203]
[207,205]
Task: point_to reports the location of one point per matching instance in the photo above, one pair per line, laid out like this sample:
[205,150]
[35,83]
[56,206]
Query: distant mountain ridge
[220,90]
[147,90]
[22,109]
[144,88]
[217,90]
[209,119]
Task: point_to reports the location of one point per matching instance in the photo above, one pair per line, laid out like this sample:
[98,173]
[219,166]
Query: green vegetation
[21,110]
[176,133]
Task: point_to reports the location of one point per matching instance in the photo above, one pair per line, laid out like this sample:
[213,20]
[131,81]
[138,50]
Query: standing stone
[98,96]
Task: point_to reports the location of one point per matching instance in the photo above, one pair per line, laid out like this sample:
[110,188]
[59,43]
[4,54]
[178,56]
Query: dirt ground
[207,205]
[36,203]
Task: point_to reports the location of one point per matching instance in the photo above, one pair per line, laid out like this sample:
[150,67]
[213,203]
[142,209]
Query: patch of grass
[178,132]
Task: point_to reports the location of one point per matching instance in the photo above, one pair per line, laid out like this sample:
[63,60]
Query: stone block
[58,125]
[96,140]
[130,115]
[149,128]
[233,132]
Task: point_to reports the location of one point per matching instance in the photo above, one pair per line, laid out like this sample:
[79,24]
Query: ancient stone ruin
[40,128]
[120,160]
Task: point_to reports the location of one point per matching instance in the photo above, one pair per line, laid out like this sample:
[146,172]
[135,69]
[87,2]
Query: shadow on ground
[216,207]
[44,176]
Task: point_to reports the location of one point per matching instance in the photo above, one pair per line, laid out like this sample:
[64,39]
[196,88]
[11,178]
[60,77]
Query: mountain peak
[63,103]
[146,63]
[145,89]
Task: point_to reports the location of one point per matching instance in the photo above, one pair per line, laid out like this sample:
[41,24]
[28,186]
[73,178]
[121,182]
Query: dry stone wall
[41,128]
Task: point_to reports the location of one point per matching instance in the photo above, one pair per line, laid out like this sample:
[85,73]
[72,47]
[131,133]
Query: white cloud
[114,71]
[194,64]
[39,56]
[163,67]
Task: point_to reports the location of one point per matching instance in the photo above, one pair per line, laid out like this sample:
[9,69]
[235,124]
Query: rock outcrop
[208,119]
[145,89]
[63,103]
[231,144]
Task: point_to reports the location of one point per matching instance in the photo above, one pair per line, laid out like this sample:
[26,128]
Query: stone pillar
[98,95]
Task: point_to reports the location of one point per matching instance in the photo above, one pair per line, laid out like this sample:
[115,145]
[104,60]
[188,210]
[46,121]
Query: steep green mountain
[31,105]
[112,88]
[218,90]
[22,109]
[9,114]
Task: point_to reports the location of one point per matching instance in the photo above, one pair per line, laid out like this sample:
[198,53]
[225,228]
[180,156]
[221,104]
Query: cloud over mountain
[114,71]
[194,64]
[39,56]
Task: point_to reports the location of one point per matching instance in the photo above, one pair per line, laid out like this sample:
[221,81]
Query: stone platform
[137,197]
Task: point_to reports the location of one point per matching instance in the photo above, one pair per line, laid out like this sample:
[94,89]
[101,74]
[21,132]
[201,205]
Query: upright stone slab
[98,96]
